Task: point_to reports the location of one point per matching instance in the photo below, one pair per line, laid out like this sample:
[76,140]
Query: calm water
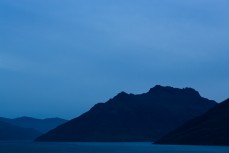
[32,147]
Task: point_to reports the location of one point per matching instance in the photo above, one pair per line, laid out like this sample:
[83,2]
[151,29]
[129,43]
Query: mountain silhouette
[12,132]
[211,128]
[129,117]
[42,125]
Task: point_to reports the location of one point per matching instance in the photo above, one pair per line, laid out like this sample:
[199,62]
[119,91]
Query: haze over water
[32,147]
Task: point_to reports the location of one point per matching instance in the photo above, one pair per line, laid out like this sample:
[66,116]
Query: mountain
[42,125]
[12,132]
[211,128]
[129,117]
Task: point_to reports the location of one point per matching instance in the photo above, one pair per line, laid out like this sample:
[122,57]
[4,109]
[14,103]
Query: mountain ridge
[12,132]
[42,125]
[211,128]
[129,117]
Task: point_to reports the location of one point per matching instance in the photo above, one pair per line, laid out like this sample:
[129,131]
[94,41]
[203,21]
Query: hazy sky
[60,57]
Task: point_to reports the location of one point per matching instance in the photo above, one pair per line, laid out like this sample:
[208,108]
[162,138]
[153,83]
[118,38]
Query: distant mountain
[211,128]
[42,125]
[129,117]
[12,132]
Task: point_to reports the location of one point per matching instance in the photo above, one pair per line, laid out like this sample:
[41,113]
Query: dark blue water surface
[33,147]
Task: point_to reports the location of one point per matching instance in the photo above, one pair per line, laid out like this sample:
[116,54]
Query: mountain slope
[12,132]
[212,128]
[42,125]
[129,117]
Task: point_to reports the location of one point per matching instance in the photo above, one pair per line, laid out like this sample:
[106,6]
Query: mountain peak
[191,91]
[187,90]
[161,89]
[121,95]
[129,117]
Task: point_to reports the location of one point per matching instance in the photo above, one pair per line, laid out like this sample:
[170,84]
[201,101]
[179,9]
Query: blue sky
[59,58]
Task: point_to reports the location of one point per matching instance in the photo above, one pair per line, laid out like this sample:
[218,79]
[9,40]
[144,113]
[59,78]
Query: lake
[37,147]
